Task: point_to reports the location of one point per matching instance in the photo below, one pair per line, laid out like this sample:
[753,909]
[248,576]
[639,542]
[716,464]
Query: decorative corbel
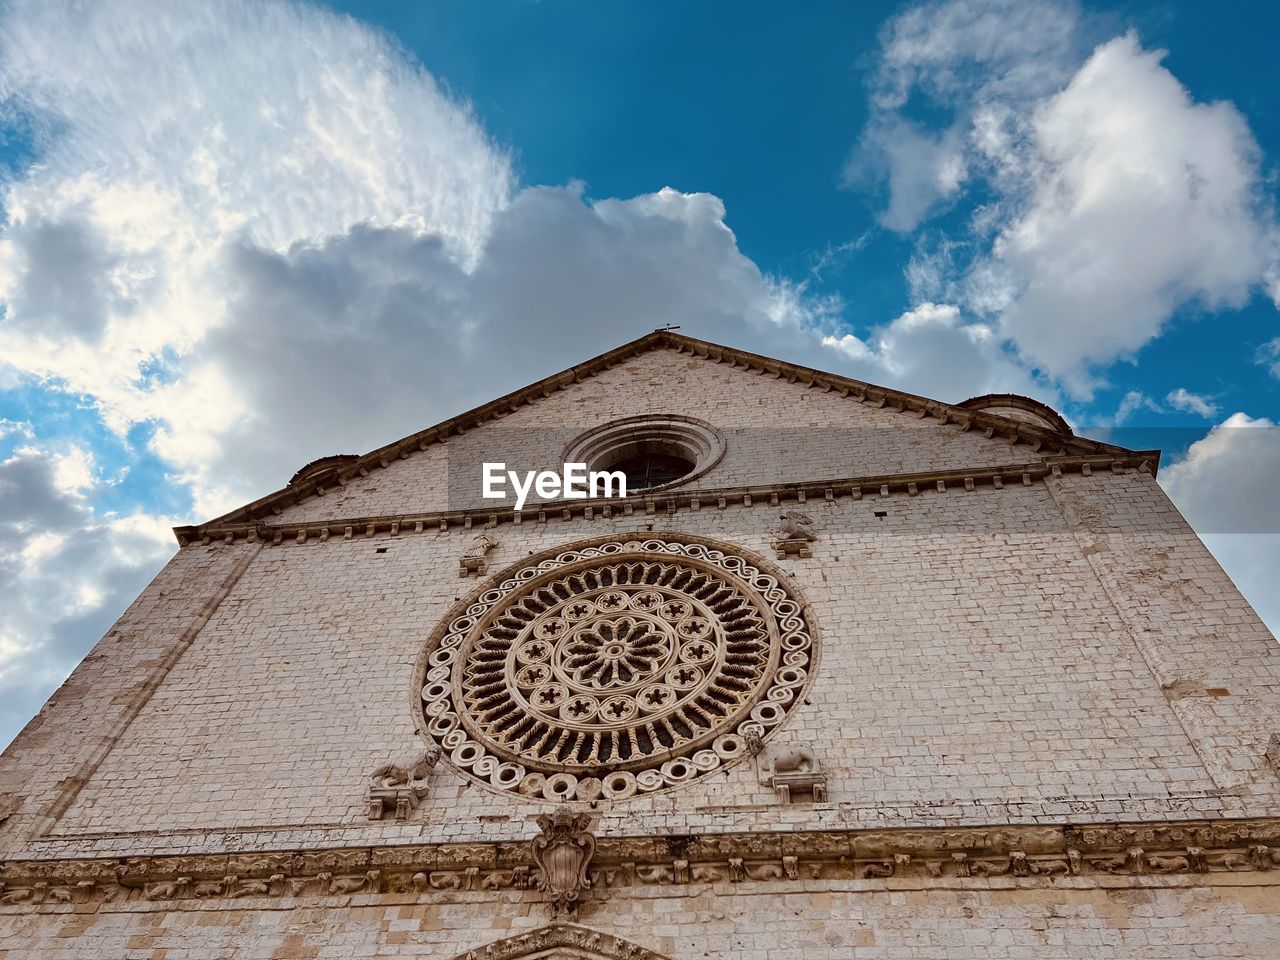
[401,785]
[794,535]
[473,558]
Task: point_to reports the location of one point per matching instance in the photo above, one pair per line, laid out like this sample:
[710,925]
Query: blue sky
[235,233]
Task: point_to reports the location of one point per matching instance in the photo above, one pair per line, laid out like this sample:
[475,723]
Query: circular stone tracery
[621,667]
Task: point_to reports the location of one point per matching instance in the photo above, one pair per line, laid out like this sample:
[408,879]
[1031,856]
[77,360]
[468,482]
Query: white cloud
[1183,399]
[963,51]
[1268,355]
[1110,197]
[1225,487]
[168,130]
[931,348]
[1178,399]
[1140,200]
[1131,403]
[65,575]
[356,317]
[980,61]
[922,169]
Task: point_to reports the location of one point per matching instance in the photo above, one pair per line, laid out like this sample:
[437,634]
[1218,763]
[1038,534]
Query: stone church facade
[850,673]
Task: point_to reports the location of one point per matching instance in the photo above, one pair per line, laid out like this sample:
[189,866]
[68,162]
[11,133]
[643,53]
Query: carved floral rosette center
[613,669]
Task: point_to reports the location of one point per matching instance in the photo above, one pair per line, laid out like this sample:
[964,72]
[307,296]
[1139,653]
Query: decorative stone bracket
[796,771]
[399,787]
[473,558]
[794,535]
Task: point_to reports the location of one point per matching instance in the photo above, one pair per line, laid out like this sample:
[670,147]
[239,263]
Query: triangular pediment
[561,941]
[666,372]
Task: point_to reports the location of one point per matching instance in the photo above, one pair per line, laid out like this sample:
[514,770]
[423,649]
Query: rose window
[615,669]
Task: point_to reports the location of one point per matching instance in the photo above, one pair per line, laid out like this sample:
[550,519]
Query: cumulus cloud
[1141,200]
[922,169]
[357,317]
[931,344]
[166,131]
[1110,198]
[1225,488]
[65,573]
[980,62]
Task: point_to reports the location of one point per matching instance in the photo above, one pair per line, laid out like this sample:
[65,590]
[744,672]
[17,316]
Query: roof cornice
[961,479]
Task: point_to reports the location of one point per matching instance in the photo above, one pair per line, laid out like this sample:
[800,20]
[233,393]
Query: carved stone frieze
[566,856]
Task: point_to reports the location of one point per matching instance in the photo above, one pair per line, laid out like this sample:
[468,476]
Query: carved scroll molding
[561,941]
[958,856]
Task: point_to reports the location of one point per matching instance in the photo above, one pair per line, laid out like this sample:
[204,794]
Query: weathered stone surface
[1033,717]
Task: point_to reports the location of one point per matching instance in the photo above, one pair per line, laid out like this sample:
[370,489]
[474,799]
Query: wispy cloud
[1183,399]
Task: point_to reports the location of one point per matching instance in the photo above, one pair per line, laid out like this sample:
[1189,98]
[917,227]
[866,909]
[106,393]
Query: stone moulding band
[951,856]
[672,501]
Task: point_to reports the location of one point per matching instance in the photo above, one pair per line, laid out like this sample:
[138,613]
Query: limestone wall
[991,669]
[999,670]
[817,920]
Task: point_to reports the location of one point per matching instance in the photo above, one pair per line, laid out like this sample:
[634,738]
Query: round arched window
[653,452]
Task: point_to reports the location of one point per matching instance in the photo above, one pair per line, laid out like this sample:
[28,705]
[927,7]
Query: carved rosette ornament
[563,852]
[614,669]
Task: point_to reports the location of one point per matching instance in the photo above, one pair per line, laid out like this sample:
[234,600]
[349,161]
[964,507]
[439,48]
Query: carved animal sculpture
[252,888]
[797,526]
[1050,867]
[479,546]
[402,773]
[795,760]
[165,891]
[1168,864]
[347,884]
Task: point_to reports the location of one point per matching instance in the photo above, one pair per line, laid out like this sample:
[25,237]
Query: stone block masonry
[1027,715]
